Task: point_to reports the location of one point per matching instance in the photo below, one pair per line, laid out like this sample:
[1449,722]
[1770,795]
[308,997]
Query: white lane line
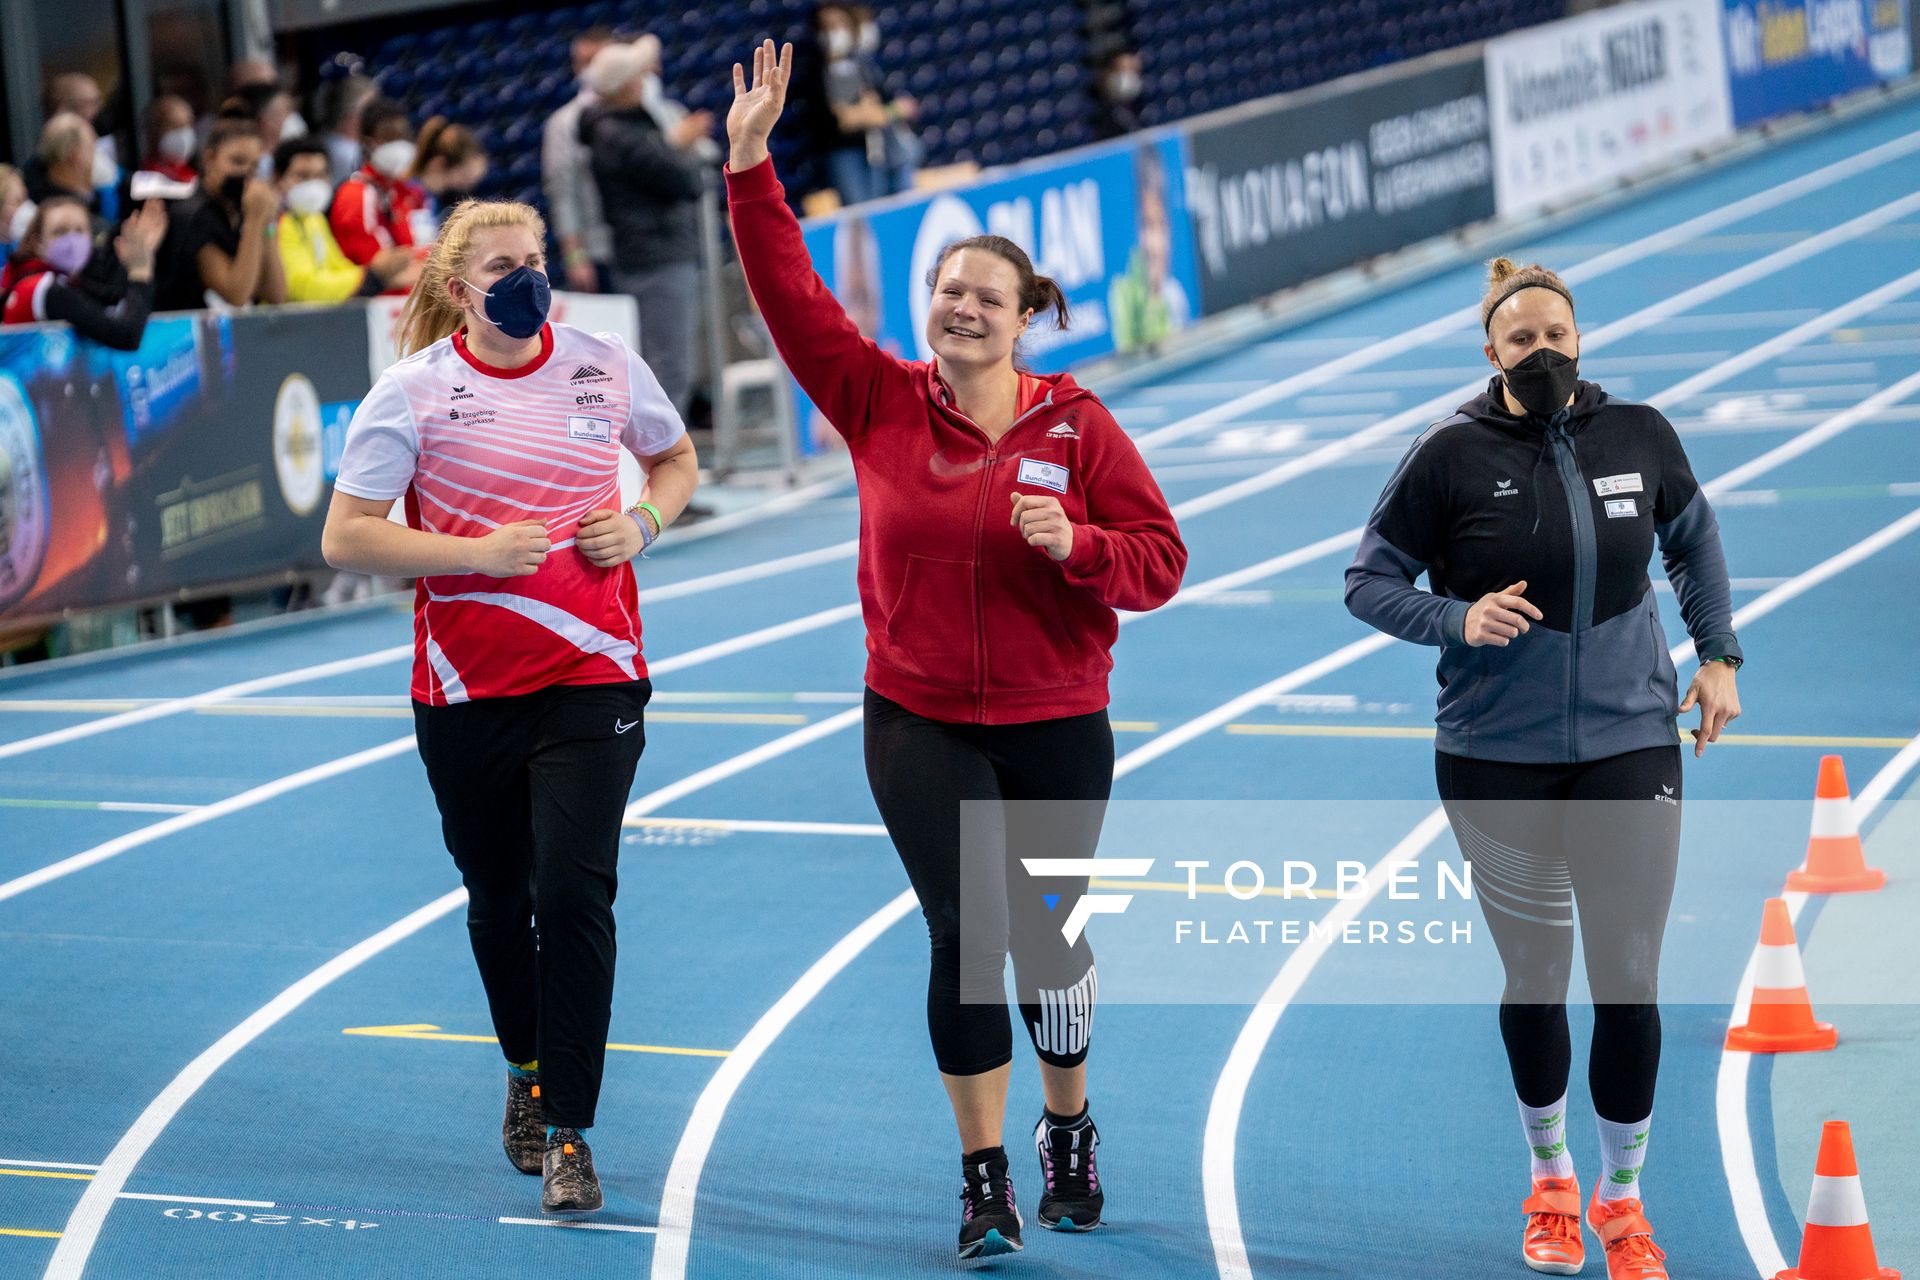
[756,825]
[1465,318]
[741,763]
[47,1164]
[1218,1191]
[84,1223]
[1731,1116]
[754,639]
[235,1204]
[280,786]
[174,706]
[761,511]
[568,1225]
[82,1231]
[1646,317]
[204,814]
[751,573]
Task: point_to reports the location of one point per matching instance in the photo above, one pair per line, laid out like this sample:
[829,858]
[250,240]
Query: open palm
[756,107]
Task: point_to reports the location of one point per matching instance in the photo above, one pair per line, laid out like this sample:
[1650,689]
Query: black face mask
[233,189]
[1543,381]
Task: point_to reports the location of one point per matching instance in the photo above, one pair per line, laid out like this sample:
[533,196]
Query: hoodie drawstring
[1556,424]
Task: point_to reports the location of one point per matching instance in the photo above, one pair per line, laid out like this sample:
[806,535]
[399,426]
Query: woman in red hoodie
[1004,517]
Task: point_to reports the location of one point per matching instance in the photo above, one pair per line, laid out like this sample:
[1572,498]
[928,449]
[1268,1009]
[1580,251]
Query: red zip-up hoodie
[965,621]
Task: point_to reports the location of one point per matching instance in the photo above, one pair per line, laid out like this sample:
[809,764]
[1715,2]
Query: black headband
[1487,324]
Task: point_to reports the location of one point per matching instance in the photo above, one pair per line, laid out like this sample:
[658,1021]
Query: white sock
[1623,1148]
[1546,1130]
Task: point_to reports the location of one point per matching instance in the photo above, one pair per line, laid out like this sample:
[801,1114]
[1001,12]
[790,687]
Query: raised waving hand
[756,107]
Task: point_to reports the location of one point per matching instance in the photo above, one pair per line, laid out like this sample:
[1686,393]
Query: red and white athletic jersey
[473,447]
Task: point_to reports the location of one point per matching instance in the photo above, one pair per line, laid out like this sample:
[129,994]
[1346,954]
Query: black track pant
[531,791]
[1544,839]
[921,771]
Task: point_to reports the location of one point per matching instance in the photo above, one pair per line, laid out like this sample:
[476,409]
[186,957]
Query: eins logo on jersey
[588,373]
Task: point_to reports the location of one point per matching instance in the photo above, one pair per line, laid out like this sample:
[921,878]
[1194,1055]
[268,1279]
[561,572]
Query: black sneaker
[571,1186]
[989,1222]
[1072,1200]
[524,1132]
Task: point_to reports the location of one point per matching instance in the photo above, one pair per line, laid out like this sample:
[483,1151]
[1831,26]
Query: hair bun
[1499,269]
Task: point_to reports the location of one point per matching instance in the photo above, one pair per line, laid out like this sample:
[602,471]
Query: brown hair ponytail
[1038,294]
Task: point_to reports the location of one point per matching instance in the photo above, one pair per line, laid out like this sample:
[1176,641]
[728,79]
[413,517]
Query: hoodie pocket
[1042,632]
[931,623]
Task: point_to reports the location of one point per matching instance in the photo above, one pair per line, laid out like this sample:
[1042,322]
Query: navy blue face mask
[517,304]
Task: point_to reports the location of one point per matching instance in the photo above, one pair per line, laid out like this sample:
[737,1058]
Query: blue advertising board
[1109,225]
[1791,55]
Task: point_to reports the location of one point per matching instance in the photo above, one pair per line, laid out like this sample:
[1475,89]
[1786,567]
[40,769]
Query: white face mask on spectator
[391,159]
[1123,86]
[870,38]
[177,144]
[309,197]
[105,171]
[294,127]
[839,42]
[652,93]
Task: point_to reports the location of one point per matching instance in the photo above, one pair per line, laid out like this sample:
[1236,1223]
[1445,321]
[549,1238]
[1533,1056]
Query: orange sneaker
[1631,1252]
[1552,1242]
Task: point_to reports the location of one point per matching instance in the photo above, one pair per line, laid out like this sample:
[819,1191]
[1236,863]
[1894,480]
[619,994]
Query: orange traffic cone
[1835,862]
[1838,1244]
[1781,1017]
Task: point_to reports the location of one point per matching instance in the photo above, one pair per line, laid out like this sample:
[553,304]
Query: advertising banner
[1790,55]
[195,461]
[1110,226]
[1307,188]
[1581,103]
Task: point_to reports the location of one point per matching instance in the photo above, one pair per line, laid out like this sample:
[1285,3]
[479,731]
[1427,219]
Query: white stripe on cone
[1834,818]
[1837,1202]
[1777,968]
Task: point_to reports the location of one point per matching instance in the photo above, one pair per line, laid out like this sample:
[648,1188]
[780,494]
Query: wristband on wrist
[659,525]
[647,535]
[1729,659]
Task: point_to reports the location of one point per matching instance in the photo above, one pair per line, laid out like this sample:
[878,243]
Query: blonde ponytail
[430,314]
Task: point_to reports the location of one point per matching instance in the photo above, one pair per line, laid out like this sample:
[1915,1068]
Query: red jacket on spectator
[372,212]
[965,621]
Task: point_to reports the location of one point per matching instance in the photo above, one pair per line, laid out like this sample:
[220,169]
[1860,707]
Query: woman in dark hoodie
[1533,511]
[1004,517]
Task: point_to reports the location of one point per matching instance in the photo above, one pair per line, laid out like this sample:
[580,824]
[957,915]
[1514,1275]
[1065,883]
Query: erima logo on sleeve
[1504,489]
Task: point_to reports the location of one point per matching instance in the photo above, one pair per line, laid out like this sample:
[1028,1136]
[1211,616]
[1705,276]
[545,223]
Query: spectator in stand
[79,94]
[43,278]
[448,163]
[650,179]
[63,163]
[168,136]
[14,207]
[269,106]
[378,208]
[566,174]
[1116,98]
[873,150]
[220,246]
[340,102]
[315,268]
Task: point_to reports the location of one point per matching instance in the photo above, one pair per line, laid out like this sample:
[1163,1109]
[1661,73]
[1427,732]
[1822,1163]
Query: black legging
[1542,839]
[532,790]
[921,771]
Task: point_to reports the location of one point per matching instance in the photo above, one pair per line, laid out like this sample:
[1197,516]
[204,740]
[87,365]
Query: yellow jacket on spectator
[316,269]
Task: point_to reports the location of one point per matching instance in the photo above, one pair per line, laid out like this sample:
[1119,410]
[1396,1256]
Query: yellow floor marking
[22,1231]
[427,1031]
[67,704]
[45,1173]
[1180,886]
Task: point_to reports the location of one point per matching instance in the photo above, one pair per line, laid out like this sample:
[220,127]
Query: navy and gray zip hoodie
[1572,505]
